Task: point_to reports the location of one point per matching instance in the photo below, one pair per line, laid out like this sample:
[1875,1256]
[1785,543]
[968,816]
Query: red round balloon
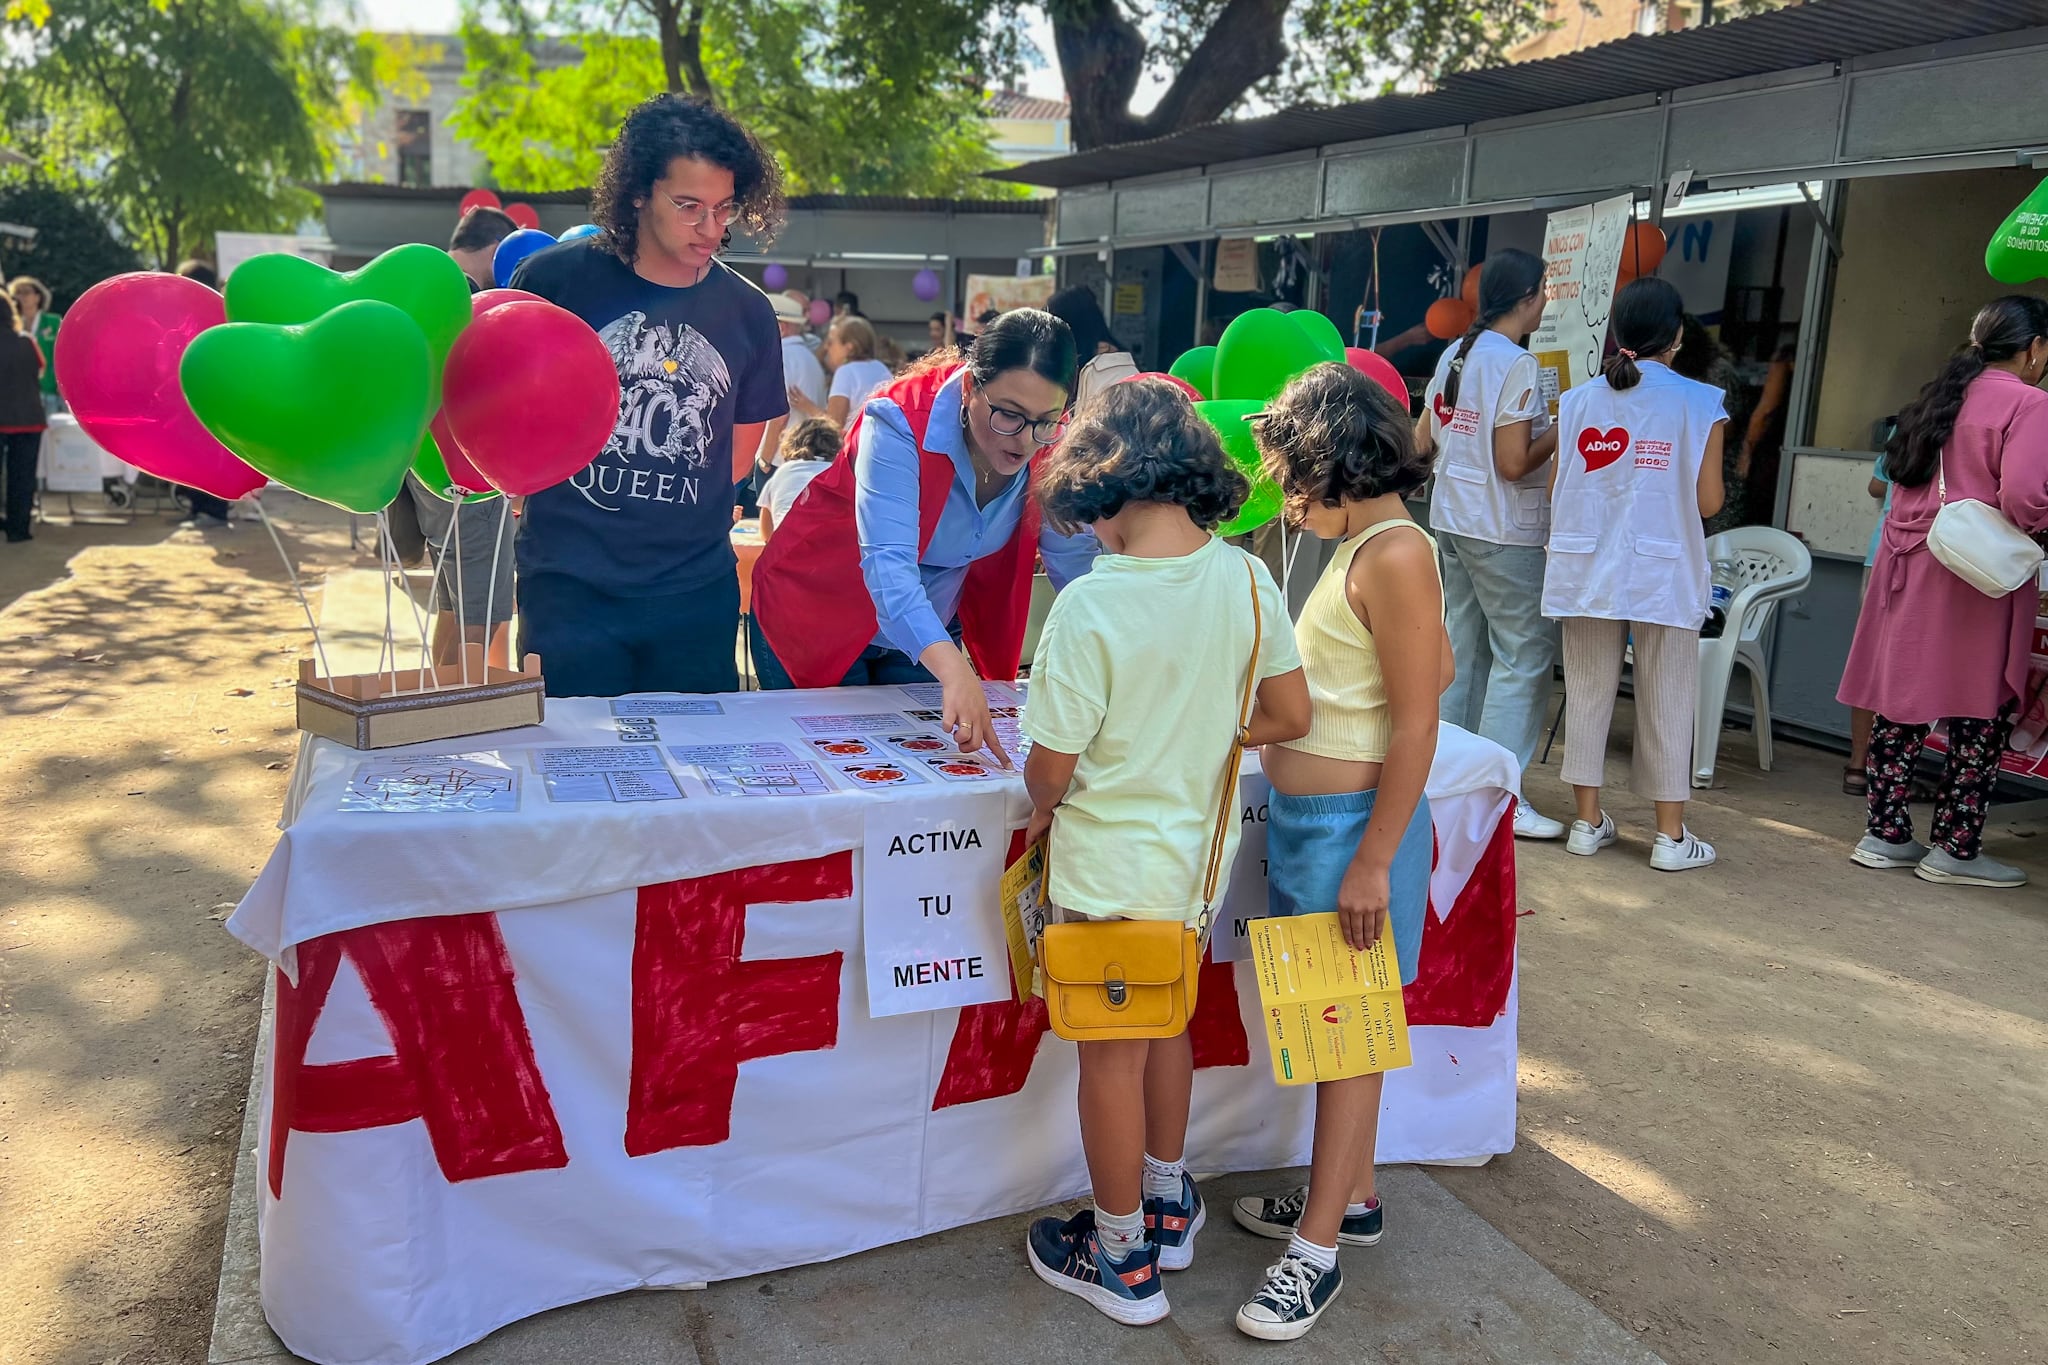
[462,471]
[1379,370]
[117,367]
[526,215]
[478,199]
[530,394]
[1194,394]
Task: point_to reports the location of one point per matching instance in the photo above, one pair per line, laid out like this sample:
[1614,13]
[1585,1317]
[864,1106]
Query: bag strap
[1226,801]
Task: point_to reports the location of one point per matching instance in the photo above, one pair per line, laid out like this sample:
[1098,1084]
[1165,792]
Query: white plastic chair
[1772,565]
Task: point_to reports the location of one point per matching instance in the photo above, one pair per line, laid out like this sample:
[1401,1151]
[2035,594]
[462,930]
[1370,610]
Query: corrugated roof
[867,203]
[1806,34]
[1017,104]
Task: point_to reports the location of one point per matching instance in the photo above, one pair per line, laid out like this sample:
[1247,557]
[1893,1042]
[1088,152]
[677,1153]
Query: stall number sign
[932,919]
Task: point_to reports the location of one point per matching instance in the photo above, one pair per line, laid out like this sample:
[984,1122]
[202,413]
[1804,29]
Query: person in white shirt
[850,348]
[807,451]
[1485,417]
[1640,470]
[799,363]
[1103,360]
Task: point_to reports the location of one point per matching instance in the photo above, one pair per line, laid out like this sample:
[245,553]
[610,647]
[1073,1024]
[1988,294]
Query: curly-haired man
[627,580]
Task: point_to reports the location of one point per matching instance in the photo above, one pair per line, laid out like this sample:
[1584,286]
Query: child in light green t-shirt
[1135,689]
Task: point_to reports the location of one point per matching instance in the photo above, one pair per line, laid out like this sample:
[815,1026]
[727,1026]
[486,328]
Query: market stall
[673,989]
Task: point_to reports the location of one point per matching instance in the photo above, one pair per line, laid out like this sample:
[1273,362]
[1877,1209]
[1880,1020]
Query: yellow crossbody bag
[1111,979]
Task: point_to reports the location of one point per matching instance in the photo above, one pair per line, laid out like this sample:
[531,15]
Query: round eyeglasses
[1008,422]
[694,212]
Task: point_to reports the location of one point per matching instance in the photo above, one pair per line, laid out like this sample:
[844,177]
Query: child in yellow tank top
[1348,825]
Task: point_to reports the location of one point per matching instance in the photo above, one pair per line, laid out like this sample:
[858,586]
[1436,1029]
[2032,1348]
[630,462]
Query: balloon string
[461,625]
[433,603]
[319,649]
[491,592]
[419,621]
[448,541]
[387,558]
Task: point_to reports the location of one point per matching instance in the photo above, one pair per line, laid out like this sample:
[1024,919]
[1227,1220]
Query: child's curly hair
[814,438]
[1334,434]
[1139,441]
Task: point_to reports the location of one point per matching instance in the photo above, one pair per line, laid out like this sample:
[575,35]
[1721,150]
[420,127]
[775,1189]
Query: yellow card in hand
[1331,1012]
[1022,893]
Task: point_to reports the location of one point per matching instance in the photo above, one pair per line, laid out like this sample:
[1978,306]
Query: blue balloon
[515,249]
[581,230]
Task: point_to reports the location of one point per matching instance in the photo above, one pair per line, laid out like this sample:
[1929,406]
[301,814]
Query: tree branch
[1102,55]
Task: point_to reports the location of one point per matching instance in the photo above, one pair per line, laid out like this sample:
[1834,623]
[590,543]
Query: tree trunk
[682,45]
[1102,55]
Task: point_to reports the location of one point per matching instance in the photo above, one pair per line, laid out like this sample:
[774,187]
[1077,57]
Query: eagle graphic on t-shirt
[670,381]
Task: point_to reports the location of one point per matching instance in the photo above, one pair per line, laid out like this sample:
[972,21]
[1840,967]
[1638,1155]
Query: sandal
[1855,782]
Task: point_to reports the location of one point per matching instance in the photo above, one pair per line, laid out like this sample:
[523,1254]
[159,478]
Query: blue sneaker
[1289,1302]
[1171,1225]
[1278,1219]
[1068,1257]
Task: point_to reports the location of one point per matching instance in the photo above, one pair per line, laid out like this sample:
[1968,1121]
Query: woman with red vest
[925,517]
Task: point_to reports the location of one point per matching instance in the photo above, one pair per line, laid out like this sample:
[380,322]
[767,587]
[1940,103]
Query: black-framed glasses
[1008,422]
[694,212]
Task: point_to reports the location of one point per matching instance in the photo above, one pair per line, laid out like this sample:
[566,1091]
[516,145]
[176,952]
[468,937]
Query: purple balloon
[775,276]
[925,285]
[821,312]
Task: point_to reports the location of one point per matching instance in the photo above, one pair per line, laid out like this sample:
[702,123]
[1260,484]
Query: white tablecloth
[537,1057]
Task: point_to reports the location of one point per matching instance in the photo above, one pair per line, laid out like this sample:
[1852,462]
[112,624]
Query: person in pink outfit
[1929,647]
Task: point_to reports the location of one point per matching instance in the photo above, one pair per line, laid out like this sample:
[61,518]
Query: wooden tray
[363,710]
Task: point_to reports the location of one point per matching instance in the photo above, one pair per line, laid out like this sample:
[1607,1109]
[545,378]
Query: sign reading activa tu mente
[933,926]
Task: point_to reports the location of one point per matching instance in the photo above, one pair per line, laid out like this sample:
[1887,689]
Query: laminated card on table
[1331,1012]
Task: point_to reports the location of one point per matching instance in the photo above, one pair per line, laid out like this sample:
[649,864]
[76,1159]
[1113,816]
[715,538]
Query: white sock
[1322,1258]
[1162,1178]
[1360,1210]
[1121,1233]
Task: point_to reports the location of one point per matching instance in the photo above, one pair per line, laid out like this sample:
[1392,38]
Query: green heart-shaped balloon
[2018,251]
[1321,331]
[1197,367]
[432,469]
[1227,416]
[334,409]
[1260,351]
[421,282]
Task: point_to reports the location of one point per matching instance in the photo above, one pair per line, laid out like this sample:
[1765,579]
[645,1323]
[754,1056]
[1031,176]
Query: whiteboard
[1831,508]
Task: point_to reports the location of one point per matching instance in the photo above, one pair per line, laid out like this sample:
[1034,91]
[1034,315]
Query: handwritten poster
[1582,260]
[932,928]
[420,784]
[1244,896]
[1331,1012]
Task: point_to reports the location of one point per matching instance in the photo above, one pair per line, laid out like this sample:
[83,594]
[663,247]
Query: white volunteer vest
[1626,543]
[1470,497]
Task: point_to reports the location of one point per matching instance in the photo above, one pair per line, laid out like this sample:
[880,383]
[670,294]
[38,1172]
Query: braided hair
[1507,281]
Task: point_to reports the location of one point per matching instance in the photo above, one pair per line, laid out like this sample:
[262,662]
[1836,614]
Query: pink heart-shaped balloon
[117,367]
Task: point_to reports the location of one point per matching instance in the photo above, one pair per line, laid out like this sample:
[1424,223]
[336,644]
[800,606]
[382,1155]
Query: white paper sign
[1582,259]
[1244,898]
[933,927]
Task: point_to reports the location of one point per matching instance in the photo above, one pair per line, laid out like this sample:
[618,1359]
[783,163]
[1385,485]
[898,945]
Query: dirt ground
[146,723]
[1785,1110]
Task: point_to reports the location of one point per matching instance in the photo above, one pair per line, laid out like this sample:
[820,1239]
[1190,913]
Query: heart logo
[334,409]
[419,281]
[1444,411]
[1600,449]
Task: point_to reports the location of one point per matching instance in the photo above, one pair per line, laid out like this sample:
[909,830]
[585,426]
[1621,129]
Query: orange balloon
[1448,318]
[1643,252]
[1470,291]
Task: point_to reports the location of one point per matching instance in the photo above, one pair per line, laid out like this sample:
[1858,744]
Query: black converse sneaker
[1293,1297]
[1279,1218]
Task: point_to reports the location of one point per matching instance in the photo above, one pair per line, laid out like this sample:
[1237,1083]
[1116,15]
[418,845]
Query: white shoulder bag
[1975,542]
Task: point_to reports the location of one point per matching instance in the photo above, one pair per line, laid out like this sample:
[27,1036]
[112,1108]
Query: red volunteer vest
[808,594]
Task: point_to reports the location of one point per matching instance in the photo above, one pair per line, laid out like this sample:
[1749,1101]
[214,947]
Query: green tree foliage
[183,117]
[72,250]
[852,98]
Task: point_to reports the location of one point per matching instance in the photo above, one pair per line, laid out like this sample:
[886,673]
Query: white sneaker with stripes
[1681,855]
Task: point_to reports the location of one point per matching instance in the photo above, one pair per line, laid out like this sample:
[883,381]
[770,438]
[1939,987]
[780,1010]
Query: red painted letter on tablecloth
[1468,959]
[995,1045]
[462,1059]
[699,1011]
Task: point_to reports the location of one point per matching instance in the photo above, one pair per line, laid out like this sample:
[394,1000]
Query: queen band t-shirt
[652,514]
